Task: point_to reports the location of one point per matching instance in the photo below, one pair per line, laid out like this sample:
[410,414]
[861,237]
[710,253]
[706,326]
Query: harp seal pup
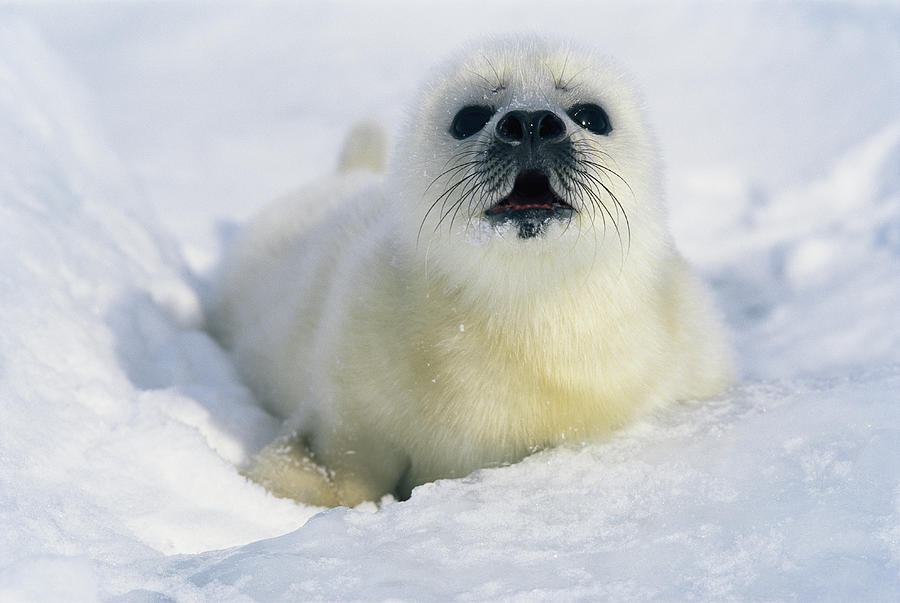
[509,284]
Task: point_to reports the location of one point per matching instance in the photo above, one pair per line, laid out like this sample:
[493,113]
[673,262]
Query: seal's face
[529,146]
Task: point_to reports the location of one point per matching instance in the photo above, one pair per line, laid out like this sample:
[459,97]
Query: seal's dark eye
[470,120]
[592,118]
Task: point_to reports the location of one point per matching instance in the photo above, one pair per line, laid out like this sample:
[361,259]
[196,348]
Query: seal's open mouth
[530,205]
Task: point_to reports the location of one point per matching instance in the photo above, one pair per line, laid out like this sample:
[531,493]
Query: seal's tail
[364,149]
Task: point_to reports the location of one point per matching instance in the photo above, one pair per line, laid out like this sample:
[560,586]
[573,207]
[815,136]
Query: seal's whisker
[489,85]
[593,178]
[500,86]
[582,174]
[466,197]
[453,170]
[608,170]
[439,199]
[471,182]
[595,202]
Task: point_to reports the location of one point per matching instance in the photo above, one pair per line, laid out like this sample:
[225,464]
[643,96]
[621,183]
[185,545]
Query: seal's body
[509,285]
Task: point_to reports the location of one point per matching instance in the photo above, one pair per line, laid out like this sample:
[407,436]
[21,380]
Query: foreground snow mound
[775,491]
[120,419]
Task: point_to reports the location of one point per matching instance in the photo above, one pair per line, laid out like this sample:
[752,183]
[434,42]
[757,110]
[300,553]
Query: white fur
[398,356]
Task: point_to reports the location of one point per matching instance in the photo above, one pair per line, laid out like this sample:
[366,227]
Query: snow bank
[121,422]
[121,419]
[665,510]
[809,275]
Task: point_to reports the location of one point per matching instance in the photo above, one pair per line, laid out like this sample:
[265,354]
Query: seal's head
[526,146]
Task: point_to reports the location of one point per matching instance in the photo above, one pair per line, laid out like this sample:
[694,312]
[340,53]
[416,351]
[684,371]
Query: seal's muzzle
[530,205]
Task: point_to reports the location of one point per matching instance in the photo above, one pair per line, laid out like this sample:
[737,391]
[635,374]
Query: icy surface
[132,139]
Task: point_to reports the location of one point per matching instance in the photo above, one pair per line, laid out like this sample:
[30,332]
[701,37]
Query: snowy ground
[133,137]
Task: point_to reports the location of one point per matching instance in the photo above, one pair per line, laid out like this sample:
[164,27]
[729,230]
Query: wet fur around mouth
[530,205]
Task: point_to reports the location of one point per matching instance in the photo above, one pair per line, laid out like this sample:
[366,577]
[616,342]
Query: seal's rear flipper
[364,149]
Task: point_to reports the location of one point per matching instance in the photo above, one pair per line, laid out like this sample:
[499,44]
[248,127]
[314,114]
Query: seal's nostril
[510,128]
[550,127]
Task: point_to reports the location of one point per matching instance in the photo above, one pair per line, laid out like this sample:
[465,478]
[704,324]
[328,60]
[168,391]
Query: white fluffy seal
[509,285]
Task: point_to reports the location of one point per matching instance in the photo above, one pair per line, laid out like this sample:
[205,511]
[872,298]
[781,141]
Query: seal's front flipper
[287,469]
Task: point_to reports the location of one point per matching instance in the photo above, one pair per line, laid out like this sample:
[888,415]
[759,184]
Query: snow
[134,138]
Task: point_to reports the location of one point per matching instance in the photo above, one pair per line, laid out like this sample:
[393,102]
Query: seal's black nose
[534,126]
